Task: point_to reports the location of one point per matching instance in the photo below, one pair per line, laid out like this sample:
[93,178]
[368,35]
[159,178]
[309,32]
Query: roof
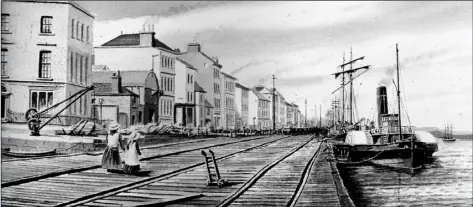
[213,61]
[133,40]
[207,104]
[106,89]
[77,6]
[229,76]
[186,64]
[238,85]
[259,95]
[208,57]
[129,77]
[197,88]
[100,68]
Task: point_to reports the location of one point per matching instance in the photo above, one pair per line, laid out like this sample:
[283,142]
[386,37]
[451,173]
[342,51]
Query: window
[86,66]
[45,64]
[41,99]
[77,30]
[46,24]
[72,67]
[188,78]
[162,88]
[77,69]
[5,22]
[192,77]
[87,34]
[4,61]
[85,105]
[81,70]
[72,28]
[82,33]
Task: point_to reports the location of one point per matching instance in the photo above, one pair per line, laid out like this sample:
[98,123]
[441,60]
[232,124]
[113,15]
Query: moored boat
[9,153]
[389,141]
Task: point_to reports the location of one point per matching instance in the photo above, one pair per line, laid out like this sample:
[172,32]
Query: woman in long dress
[132,160]
[111,157]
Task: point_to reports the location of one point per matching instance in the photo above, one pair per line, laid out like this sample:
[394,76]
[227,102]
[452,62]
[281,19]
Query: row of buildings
[48,55]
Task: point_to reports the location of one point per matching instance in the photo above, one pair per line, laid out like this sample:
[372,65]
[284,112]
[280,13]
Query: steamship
[385,142]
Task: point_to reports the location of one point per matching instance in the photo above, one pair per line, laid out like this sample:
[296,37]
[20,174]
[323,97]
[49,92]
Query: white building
[144,52]
[228,100]
[185,98]
[241,106]
[46,57]
[209,78]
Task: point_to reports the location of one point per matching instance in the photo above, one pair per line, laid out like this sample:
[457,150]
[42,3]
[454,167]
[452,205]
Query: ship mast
[343,91]
[399,107]
[351,87]
[350,72]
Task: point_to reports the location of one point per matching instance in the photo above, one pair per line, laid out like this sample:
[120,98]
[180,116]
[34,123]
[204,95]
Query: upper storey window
[46,24]
[5,23]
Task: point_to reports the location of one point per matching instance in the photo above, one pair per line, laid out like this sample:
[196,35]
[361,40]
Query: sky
[303,43]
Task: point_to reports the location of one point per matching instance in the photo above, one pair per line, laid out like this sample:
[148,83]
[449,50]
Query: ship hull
[360,153]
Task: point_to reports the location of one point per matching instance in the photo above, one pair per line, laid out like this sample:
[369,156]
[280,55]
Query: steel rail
[247,185]
[91,167]
[304,178]
[137,184]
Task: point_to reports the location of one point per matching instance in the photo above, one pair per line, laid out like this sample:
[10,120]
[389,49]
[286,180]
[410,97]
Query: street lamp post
[93,107]
[254,125]
[101,103]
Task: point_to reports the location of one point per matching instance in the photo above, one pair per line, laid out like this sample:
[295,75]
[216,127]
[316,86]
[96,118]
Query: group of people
[112,161]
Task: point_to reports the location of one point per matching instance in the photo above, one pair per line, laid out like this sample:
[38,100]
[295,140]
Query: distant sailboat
[448,136]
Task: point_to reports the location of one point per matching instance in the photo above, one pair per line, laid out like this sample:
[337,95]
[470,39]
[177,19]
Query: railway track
[188,188]
[28,170]
[73,188]
[279,183]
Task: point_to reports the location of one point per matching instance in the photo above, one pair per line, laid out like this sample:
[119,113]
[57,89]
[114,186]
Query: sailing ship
[389,140]
[448,135]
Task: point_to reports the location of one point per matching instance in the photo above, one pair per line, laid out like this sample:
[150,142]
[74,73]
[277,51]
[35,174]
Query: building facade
[114,102]
[282,111]
[263,109]
[203,108]
[209,78]
[228,100]
[144,52]
[185,98]
[46,57]
[241,106]
[289,115]
[268,93]
[140,82]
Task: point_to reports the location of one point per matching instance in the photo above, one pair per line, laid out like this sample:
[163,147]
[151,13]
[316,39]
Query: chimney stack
[116,83]
[193,47]
[382,102]
[146,38]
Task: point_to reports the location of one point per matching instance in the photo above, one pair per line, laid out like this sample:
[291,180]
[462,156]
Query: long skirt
[130,169]
[111,159]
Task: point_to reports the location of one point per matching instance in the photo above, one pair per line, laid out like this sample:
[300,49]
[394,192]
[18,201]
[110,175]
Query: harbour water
[446,180]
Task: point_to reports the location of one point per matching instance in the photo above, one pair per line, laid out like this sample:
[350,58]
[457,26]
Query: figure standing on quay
[111,157]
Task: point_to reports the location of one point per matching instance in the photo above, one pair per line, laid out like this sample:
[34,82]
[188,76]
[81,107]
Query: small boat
[9,153]
[448,136]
